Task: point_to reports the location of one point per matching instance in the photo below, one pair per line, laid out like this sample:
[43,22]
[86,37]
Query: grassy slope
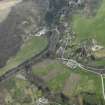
[29,49]
[91,27]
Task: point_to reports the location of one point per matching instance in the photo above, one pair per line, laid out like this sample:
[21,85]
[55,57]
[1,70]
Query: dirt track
[5,8]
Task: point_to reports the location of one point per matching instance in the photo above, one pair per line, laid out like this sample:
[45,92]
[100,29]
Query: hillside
[52,52]
[18,21]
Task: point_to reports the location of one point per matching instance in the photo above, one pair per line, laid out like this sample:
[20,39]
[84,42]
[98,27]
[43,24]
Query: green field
[93,27]
[20,90]
[57,79]
[31,47]
[89,82]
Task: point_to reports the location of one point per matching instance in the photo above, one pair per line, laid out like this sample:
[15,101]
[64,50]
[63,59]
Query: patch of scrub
[20,92]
